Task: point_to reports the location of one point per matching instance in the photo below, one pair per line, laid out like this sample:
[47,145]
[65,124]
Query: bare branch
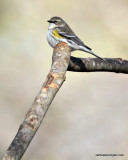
[55,78]
[116,65]
[34,117]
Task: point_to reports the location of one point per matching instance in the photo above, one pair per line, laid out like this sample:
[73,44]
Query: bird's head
[56,22]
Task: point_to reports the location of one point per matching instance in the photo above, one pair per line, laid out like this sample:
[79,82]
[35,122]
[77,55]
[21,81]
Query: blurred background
[89,115]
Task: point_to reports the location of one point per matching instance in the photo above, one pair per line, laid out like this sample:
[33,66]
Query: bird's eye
[55,22]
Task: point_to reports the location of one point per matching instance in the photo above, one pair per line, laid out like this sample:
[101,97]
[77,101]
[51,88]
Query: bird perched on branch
[59,31]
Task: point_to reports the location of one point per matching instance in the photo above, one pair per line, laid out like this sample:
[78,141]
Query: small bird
[59,31]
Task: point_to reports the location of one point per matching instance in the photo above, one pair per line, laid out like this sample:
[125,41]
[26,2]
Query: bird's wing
[69,34]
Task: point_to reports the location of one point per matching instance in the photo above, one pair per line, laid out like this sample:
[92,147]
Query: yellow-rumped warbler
[59,31]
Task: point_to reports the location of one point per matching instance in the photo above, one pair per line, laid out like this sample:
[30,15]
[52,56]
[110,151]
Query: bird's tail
[90,51]
[96,55]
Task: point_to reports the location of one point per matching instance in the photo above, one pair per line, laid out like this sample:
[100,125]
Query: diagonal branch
[55,78]
[34,117]
[116,65]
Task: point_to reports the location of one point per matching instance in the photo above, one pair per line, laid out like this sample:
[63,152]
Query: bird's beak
[49,21]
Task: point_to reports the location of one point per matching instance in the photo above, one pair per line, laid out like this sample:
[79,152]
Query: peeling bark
[34,117]
[61,61]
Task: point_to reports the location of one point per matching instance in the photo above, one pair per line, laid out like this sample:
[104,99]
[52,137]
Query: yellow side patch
[55,33]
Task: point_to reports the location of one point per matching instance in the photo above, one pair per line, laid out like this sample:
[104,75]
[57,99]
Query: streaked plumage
[59,31]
